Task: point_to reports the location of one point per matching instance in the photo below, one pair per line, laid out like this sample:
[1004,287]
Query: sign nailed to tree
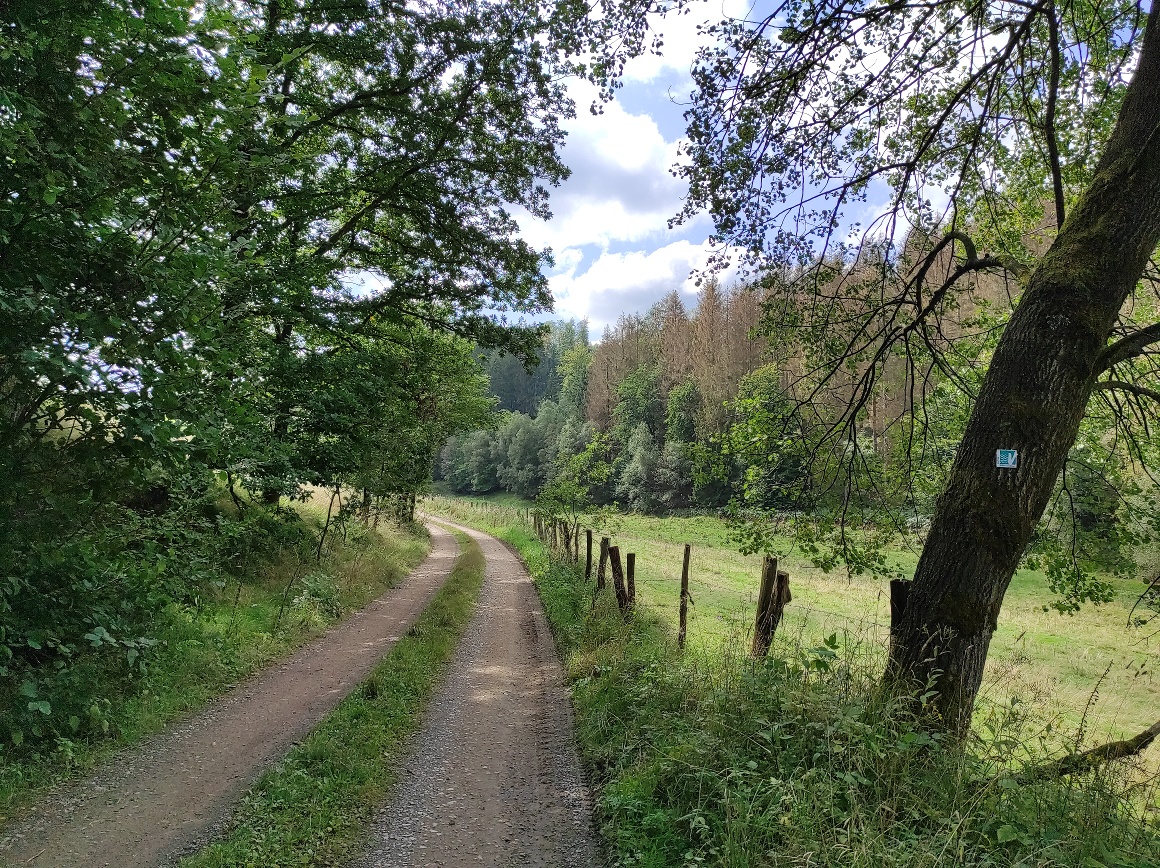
[1007,458]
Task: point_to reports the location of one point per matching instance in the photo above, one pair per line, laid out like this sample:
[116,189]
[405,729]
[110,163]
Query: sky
[609,233]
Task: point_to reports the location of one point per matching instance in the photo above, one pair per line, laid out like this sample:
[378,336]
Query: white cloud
[681,40]
[621,187]
[622,192]
[629,282]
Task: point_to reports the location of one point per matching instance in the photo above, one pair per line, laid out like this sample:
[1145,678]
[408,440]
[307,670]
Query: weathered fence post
[771,602]
[618,579]
[588,555]
[684,597]
[899,592]
[576,542]
[604,545]
[630,570]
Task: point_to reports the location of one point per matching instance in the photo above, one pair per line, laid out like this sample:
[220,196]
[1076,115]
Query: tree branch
[1049,119]
[1078,763]
[1127,347]
[1121,386]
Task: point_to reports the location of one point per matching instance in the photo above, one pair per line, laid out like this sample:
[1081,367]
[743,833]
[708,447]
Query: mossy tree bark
[1032,399]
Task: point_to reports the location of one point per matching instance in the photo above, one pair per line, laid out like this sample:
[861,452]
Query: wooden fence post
[618,579]
[899,593]
[781,598]
[630,570]
[767,599]
[604,545]
[684,597]
[588,555]
[576,542]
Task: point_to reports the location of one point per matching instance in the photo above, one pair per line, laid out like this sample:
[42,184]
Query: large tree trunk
[1032,400]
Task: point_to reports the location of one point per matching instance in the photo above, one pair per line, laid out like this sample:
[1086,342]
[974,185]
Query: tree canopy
[1013,144]
[247,246]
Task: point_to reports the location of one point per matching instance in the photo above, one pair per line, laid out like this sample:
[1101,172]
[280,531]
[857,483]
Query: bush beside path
[167,796]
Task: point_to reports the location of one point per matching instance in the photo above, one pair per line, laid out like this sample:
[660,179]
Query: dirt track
[493,778]
[163,799]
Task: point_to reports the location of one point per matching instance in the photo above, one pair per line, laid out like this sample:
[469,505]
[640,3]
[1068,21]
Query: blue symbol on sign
[1008,459]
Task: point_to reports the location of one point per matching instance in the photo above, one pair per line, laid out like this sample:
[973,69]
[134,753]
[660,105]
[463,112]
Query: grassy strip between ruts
[313,809]
[715,759]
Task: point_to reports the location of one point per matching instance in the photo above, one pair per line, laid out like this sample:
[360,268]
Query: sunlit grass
[709,757]
[1034,653]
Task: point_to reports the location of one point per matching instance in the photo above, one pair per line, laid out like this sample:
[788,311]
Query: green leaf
[41,705]
[1007,833]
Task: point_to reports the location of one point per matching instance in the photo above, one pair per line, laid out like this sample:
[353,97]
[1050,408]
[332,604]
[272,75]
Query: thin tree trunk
[326,527]
[1032,399]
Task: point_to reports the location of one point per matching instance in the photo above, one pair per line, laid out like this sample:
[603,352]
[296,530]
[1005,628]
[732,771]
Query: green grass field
[1048,660]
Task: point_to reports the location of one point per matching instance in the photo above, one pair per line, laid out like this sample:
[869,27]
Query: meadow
[708,757]
[1092,670]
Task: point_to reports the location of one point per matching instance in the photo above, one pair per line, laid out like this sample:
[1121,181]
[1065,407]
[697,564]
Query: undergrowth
[313,809]
[272,594]
[711,759]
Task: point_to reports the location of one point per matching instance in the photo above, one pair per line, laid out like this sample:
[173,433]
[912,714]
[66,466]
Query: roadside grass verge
[1035,654]
[314,808]
[710,758]
[273,597]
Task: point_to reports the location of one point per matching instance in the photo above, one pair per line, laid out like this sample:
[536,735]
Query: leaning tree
[1014,139]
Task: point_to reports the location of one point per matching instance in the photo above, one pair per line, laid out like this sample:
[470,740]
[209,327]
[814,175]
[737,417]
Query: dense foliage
[247,248]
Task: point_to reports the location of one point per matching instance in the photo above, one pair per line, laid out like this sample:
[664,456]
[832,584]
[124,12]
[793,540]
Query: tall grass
[709,757]
[1035,652]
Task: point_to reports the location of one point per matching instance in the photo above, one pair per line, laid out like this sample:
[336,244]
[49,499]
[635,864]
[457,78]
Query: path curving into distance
[493,777]
[165,798]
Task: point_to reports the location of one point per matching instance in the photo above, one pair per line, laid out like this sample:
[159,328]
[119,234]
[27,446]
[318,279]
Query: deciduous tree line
[193,190]
[245,247]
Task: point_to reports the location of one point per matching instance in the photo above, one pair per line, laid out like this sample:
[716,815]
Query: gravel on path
[493,778]
[167,798]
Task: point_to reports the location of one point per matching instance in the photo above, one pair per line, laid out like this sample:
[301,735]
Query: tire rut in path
[167,797]
[493,778]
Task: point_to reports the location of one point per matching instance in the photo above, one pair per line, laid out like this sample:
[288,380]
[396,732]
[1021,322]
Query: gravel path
[493,778]
[167,797]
